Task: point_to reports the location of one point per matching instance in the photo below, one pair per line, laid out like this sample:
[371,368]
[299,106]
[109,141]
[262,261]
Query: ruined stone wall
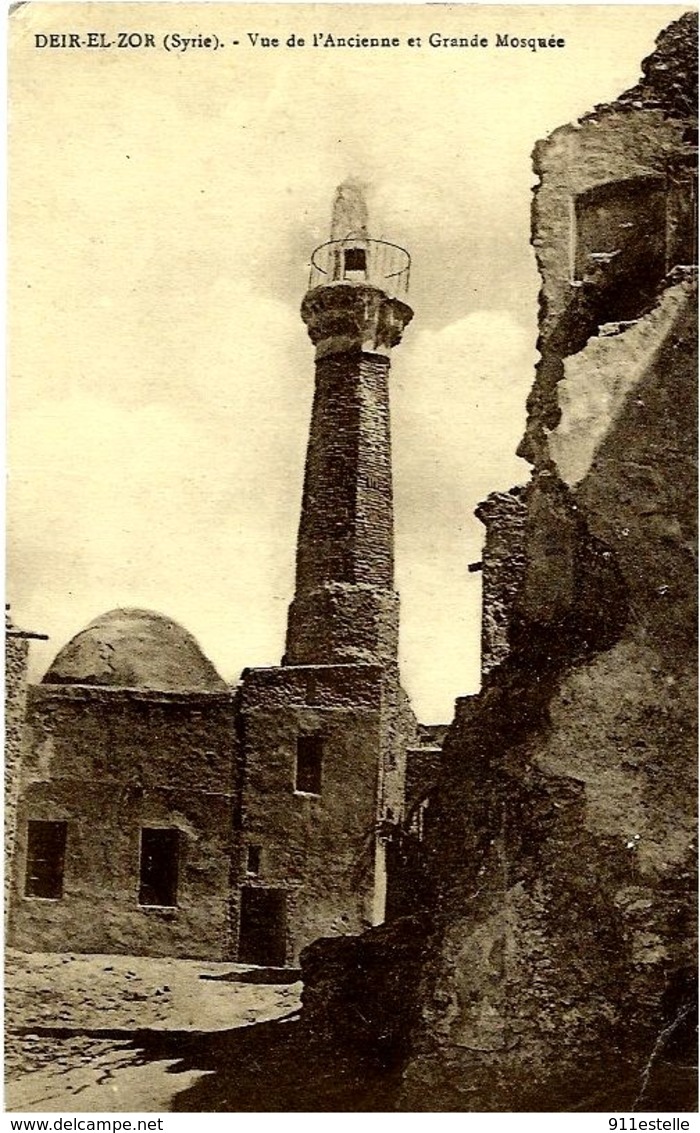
[363,989]
[559,963]
[109,762]
[633,148]
[562,969]
[503,515]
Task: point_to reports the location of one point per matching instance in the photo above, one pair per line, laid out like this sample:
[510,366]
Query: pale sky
[163,211]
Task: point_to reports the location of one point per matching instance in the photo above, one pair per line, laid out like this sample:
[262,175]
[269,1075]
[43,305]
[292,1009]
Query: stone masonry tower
[324,735]
[345,608]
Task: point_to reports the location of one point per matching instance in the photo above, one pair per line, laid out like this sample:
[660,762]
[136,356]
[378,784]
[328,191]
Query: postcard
[351,587]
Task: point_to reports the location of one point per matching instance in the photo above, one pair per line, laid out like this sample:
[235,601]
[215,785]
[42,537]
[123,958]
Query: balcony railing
[357,259]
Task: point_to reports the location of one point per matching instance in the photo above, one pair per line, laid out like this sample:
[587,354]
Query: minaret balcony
[357,259]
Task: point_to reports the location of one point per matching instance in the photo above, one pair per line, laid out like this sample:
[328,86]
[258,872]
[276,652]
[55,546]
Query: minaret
[324,736]
[345,608]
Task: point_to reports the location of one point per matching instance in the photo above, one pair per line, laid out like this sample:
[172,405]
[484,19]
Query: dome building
[135,649]
[126,811]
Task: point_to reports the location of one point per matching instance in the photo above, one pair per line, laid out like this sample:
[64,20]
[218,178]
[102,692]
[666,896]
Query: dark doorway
[263,933]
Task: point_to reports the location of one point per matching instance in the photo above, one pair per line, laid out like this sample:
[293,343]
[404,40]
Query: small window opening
[159,867]
[355,259]
[46,852]
[311,689]
[309,765]
[253,860]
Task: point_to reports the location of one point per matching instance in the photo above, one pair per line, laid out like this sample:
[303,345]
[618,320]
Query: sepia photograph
[351,560]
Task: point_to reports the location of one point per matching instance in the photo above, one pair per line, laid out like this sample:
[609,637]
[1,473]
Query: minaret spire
[345,608]
[349,216]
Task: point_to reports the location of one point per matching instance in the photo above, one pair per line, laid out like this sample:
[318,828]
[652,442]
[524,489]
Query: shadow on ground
[271,1067]
[276,1067]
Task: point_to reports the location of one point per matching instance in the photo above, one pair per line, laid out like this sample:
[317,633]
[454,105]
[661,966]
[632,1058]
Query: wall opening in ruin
[46,855]
[159,867]
[628,234]
[263,931]
[620,241]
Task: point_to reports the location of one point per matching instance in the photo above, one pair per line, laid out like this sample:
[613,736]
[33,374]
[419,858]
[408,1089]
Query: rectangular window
[253,860]
[46,852]
[309,765]
[159,863]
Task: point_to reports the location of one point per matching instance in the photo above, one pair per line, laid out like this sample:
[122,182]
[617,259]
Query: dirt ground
[105,1033]
[108,1034]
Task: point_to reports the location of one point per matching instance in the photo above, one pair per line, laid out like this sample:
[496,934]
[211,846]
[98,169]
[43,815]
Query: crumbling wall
[503,515]
[643,139]
[564,823]
[349,979]
[558,969]
[565,814]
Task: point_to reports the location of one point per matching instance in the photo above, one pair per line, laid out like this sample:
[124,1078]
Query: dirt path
[77,1026]
[114,1081]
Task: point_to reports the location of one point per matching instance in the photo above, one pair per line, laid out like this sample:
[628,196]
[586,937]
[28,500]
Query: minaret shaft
[345,609]
[346,529]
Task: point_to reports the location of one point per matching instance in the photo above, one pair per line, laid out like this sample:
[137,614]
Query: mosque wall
[102,766]
[316,837]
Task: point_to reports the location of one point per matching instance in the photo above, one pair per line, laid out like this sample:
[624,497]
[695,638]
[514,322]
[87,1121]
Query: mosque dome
[137,649]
